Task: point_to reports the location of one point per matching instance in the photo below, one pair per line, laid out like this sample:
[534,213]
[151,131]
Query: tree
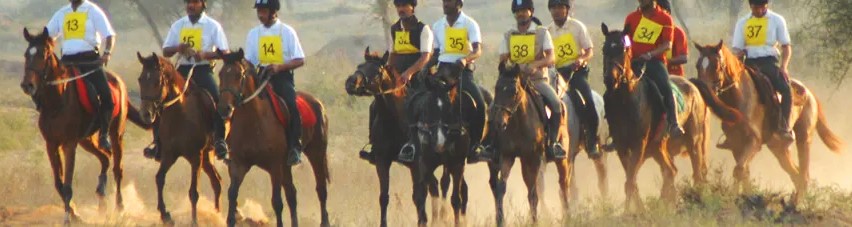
[830,31]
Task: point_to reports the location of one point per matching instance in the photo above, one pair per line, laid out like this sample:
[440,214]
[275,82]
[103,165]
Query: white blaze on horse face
[705,63]
[441,138]
[32,51]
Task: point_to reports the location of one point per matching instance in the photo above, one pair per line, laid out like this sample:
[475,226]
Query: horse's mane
[734,66]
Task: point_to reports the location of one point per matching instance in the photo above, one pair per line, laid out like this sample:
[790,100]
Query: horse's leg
[55,165]
[383,172]
[117,167]
[530,169]
[499,178]
[69,151]
[195,170]
[743,157]
[627,165]
[276,176]
[213,174]
[290,193]
[637,158]
[103,158]
[565,169]
[419,171]
[167,160]
[445,183]
[668,191]
[435,195]
[458,200]
[786,160]
[803,146]
[236,172]
[600,167]
[316,154]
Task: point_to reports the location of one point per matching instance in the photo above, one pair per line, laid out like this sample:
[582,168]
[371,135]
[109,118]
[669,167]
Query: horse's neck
[58,98]
[743,90]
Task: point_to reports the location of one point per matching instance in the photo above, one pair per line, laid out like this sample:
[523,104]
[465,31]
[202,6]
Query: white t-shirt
[775,31]
[212,36]
[292,48]
[543,43]
[83,35]
[463,22]
[578,31]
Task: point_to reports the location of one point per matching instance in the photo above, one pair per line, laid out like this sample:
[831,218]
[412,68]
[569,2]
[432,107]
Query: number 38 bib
[522,48]
[269,50]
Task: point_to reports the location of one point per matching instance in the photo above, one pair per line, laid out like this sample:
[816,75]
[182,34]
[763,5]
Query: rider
[531,47]
[410,48]
[195,37]
[649,29]
[274,47]
[756,37]
[83,27]
[678,54]
[573,49]
[457,42]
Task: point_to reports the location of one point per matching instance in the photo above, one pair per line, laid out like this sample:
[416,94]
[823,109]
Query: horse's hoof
[167,219]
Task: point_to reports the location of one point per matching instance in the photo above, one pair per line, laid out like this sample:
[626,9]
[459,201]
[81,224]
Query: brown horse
[64,123]
[258,139]
[389,127]
[182,112]
[518,131]
[725,78]
[633,107]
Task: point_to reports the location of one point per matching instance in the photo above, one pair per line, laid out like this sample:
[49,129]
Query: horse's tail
[828,137]
[322,124]
[728,114]
[134,116]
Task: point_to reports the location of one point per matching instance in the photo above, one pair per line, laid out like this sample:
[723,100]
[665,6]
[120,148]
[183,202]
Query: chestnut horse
[725,78]
[257,138]
[64,123]
[182,111]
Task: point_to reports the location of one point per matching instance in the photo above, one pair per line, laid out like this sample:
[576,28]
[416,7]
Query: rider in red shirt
[677,56]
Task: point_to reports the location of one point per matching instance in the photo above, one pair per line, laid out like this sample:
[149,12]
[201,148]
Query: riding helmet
[758,2]
[552,3]
[665,5]
[518,5]
[402,2]
[269,4]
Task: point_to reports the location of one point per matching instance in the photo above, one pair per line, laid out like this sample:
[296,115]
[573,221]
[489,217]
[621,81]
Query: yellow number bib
[455,41]
[74,26]
[566,49]
[191,36]
[647,32]
[669,54]
[755,31]
[270,51]
[402,43]
[522,48]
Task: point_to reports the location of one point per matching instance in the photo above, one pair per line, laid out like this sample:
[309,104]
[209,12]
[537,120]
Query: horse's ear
[626,29]
[697,46]
[501,68]
[219,53]
[385,57]
[604,28]
[155,55]
[719,46]
[139,56]
[367,53]
[27,35]
[241,53]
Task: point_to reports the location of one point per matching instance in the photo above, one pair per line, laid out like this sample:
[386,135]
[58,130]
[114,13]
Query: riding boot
[219,143]
[153,150]
[106,122]
[367,154]
[554,148]
[294,137]
[784,130]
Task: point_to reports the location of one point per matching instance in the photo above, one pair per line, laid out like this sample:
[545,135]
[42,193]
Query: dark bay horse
[725,78]
[390,126]
[633,107]
[182,111]
[518,131]
[65,124]
[258,139]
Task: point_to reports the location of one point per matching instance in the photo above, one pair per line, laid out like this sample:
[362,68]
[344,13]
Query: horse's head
[717,66]
[371,77]
[508,98]
[233,78]
[431,111]
[40,62]
[616,57]
[158,76]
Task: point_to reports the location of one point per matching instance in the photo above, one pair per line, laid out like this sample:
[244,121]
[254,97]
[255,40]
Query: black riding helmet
[758,2]
[552,3]
[402,2]
[269,4]
[665,4]
[518,5]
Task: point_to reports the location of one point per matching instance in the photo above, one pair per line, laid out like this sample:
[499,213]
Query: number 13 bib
[75,25]
[269,50]
[647,32]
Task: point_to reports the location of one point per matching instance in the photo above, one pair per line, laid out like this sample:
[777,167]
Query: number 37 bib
[269,50]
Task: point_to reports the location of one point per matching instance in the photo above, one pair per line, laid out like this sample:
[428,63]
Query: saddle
[769,96]
[88,96]
[309,118]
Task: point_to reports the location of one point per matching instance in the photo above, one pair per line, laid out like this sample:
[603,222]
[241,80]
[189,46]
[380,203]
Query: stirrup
[151,151]
[406,153]
[555,152]
[221,148]
[366,153]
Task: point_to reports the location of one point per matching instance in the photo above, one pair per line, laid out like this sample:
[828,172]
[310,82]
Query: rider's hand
[463,62]
[579,64]
[646,56]
[405,77]
[105,58]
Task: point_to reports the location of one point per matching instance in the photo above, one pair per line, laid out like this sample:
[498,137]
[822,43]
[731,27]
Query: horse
[182,111]
[724,77]
[518,131]
[575,144]
[389,132]
[65,123]
[431,110]
[257,136]
[634,106]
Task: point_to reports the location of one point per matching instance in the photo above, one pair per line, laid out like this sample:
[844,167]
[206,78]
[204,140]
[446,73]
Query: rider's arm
[784,40]
[426,41]
[220,41]
[104,28]
[172,45]
[475,38]
[547,46]
[738,40]
[295,53]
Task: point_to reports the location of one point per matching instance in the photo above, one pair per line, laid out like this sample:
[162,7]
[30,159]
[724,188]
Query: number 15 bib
[191,36]
[269,50]
[74,26]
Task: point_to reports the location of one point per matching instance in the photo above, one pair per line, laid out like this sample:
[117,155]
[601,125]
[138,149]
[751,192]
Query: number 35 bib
[269,50]
[455,41]
[647,32]
[75,25]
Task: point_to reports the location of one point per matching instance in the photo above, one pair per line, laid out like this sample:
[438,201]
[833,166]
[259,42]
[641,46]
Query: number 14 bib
[269,50]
